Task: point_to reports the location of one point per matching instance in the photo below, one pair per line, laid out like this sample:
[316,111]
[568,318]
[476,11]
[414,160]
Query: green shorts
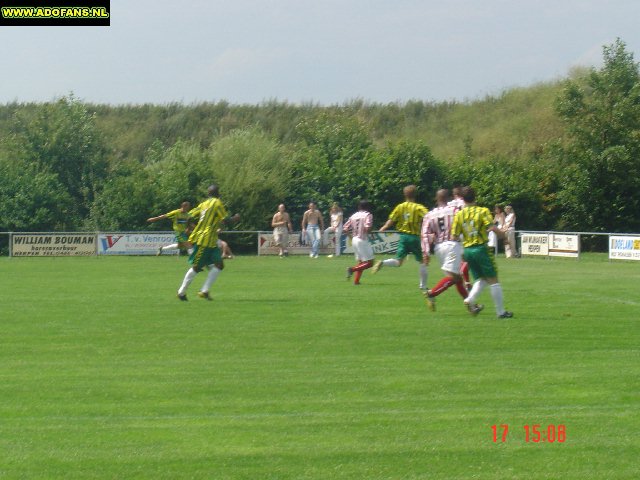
[202,257]
[481,261]
[409,244]
[182,237]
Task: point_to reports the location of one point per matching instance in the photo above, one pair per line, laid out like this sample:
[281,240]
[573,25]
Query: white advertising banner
[561,245]
[380,242]
[534,243]
[53,245]
[624,248]
[134,243]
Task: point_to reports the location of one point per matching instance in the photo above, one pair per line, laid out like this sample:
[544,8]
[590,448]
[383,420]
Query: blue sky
[249,51]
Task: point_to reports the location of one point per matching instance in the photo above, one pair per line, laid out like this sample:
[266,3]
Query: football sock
[173,246]
[475,291]
[496,294]
[423,275]
[211,277]
[461,289]
[188,278]
[391,262]
[464,270]
[356,277]
[441,286]
[362,266]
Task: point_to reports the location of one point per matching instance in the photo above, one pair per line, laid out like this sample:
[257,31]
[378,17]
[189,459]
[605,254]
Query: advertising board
[53,244]
[133,243]
[534,244]
[563,245]
[624,247]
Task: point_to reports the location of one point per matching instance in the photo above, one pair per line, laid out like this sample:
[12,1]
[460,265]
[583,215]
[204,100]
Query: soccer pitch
[292,372]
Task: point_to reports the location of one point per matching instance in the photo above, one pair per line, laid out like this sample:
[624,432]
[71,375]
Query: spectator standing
[498,221]
[509,229]
[335,228]
[312,225]
[281,224]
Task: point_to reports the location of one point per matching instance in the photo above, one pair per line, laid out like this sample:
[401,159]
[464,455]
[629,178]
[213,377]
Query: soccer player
[436,230]
[474,223]
[182,223]
[458,202]
[281,224]
[359,224]
[407,217]
[206,253]
[312,225]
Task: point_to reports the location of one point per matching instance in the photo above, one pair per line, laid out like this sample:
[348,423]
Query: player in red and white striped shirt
[436,229]
[457,200]
[359,224]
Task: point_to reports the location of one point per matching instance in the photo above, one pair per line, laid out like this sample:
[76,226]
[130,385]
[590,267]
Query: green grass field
[293,373]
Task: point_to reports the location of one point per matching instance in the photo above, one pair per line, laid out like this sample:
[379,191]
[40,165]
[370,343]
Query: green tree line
[565,154]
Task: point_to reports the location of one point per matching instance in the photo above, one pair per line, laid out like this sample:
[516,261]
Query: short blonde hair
[410,191]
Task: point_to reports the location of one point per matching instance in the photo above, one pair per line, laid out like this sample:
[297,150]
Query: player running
[436,230]
[359,224]
[458,202]
[474,223]
[407,217]
[181,223]
[206,253]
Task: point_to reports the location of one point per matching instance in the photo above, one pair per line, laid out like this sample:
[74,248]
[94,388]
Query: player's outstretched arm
[388,224]
[155,219]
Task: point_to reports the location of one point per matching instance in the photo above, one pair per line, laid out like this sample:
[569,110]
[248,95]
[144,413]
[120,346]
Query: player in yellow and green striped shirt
[474,224]
[407,218]
[210,214]
[181,222]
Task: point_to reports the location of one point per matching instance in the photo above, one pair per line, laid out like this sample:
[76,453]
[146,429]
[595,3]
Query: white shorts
[362,249]
[450,256]
[281,236]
